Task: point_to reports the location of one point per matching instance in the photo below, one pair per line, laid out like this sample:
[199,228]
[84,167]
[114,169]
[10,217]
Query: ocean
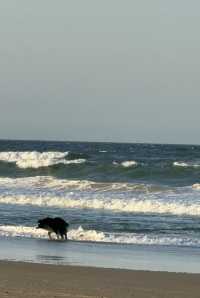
[140,196]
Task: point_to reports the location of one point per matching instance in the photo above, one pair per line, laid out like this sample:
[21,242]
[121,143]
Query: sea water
[128,195]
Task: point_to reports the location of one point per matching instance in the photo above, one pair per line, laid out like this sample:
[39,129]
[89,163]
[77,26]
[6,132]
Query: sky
[121,71]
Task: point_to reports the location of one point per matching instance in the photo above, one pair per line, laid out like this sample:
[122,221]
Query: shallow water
[136,257]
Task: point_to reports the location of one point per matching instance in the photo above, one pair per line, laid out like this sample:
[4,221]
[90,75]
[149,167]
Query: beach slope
[18,279]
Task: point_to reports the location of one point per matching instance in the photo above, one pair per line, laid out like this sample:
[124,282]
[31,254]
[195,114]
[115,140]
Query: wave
[186,164]
[81,234]
[99,202]
[196,186]
[35,159]
[44,182]
[126,163]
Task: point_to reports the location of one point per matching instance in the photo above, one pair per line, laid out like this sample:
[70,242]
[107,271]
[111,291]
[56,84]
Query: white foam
[134,205]
[32,232]
[180,164]
[81,234]
[196,186]
[126,164]
[44,182]
[22,231]
[113,197]
[75,161]
[52,183]
[185,164]
[34,159]
[129,163]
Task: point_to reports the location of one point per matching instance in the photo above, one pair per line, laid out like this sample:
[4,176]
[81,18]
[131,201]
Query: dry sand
[38,280]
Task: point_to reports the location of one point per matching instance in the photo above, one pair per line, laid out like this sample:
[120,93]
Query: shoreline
[21,279]
[100,255]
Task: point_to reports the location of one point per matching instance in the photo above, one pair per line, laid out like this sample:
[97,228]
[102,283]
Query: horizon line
[99,142]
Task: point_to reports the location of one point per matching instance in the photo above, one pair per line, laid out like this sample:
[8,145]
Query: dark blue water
[155,163]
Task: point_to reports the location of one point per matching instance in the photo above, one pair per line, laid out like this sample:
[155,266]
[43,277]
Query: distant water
[116,193]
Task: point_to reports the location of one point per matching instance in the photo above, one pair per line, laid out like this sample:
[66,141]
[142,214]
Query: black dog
[55,225]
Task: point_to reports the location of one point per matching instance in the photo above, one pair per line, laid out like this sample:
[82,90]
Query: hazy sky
[100,70]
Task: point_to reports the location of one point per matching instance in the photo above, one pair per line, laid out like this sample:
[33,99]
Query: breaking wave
[129,163]
[35,159]
[44,182]
[186,164]
[81,234]
[134,205]
[126,163]
[196,186]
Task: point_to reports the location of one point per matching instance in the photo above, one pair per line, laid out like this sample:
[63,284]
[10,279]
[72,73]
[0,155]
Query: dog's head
[44,223]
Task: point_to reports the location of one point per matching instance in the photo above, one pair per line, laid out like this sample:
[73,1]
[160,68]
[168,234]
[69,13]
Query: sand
[18,279]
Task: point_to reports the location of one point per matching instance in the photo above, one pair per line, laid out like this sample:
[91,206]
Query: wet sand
[18,279]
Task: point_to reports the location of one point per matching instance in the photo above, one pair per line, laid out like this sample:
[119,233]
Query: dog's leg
[49,234]
[57,235]
[65,236]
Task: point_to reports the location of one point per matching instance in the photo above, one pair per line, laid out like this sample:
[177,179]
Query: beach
[18,279]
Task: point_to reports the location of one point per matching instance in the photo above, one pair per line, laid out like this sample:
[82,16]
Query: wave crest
[113,205]
[196,186]
[35,159]
[185,164]
[126,163]
[54,184]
